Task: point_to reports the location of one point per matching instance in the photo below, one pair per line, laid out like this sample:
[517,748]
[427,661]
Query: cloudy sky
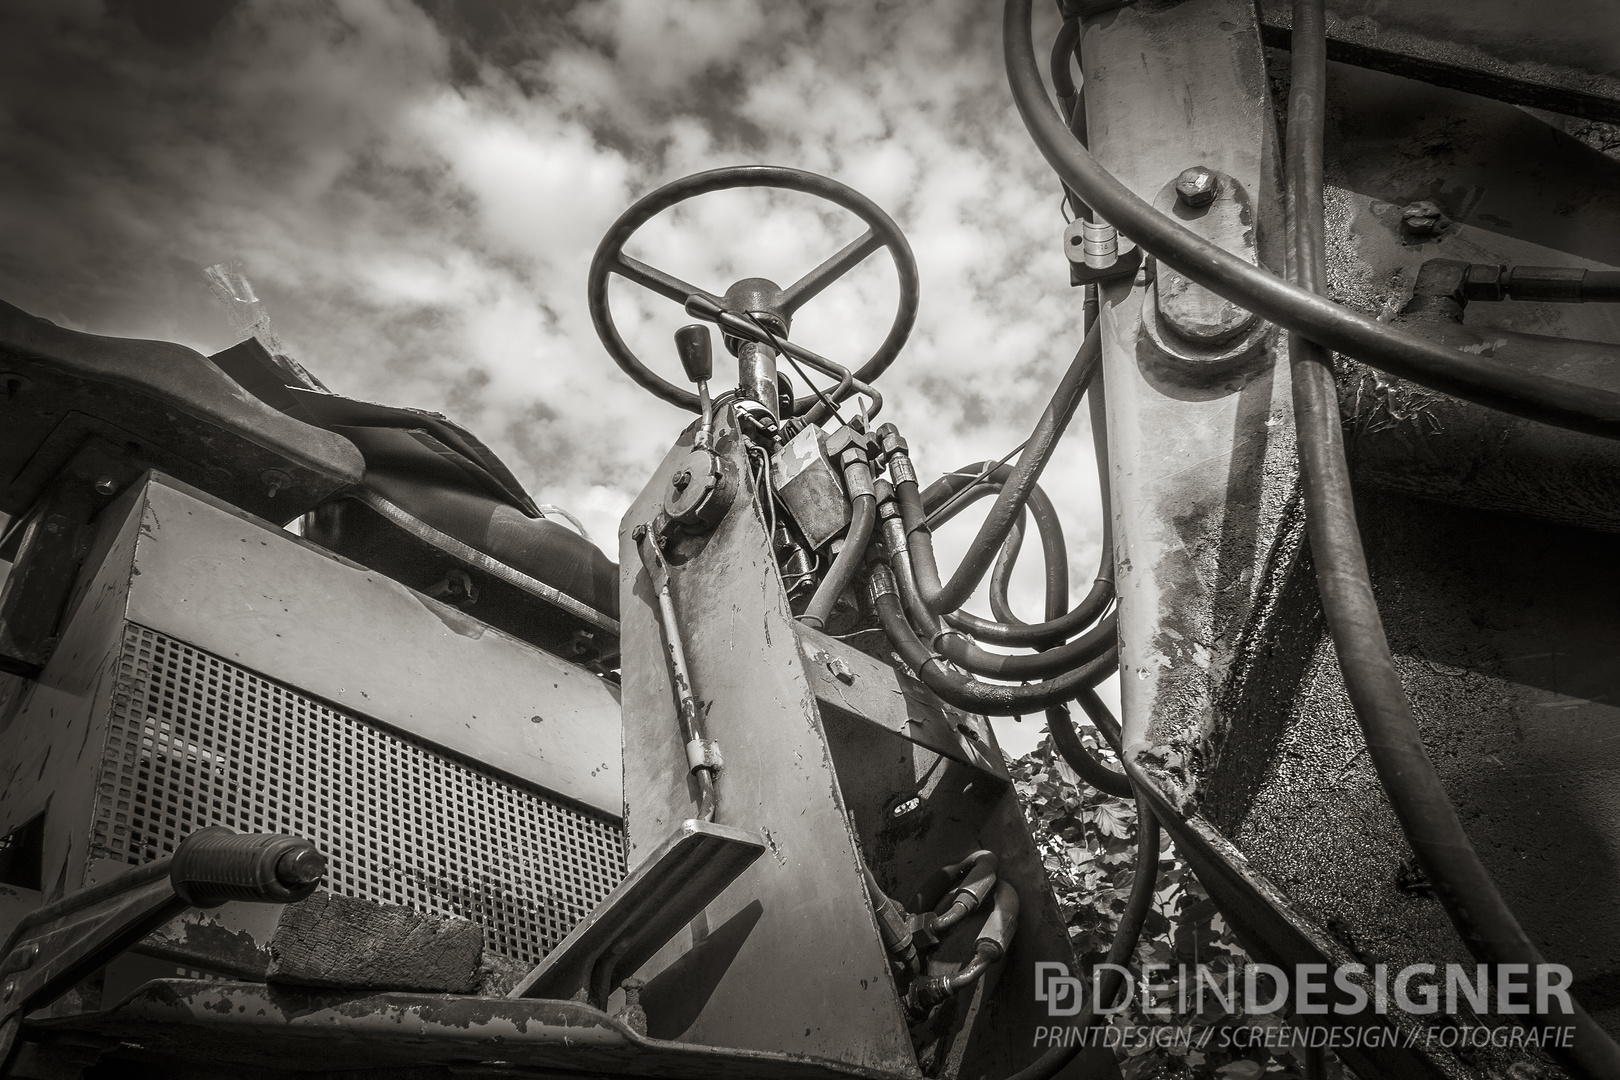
[415,191]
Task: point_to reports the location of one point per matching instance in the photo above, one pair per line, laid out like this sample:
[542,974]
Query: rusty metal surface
[669,889]
[796,926]
[854,685]
[1559,56]
[53,729]
[1274,931]
[916,811]
[289,1032]
[1503,633]
[1402,437]
[1203,469]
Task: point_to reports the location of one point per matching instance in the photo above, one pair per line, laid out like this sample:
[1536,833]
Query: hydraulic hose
[961,690]
[962,651]
[1092,771]
[847,562]
[1120,952]
[1001,575]
[978,876]
[1428,819]
[915,507]
[1037,452]
[1495,382]
[994,938]
[1097,712]
[858,481]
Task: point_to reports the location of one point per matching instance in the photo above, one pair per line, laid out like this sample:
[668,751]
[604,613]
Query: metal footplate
[666,892]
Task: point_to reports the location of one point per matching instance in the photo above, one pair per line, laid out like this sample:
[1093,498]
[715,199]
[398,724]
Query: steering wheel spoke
[851,256]
[656,280]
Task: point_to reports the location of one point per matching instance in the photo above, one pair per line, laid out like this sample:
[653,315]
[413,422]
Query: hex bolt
[1196,186]
[680,480]
[1423,218]
[106,485]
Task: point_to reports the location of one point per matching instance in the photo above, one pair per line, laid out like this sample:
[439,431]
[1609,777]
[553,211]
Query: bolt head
[8,991]
[1196,186]
[1423,218]
[680,480]
[106,485]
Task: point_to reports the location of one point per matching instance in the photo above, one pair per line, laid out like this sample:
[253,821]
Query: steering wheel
[753,296]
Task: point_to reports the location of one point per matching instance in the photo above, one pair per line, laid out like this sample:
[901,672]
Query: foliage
[1087,842]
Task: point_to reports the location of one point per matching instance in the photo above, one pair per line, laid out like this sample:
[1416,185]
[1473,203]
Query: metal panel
[1204,468]
[667,891]
[52,729]
[270,602]
[797,923]
[850,683]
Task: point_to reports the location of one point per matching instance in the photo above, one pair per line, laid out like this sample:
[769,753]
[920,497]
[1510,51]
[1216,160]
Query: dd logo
[1061,991]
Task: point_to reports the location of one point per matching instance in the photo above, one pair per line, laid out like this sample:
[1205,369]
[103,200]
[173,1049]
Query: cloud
[416,192]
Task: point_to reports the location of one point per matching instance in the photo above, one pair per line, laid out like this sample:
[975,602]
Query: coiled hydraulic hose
[915,507]
[1144,883]
[1428,819]
[962,650]
[954,492]
[1001,575]
[1060,627]
[961,690]
[1037,452]
[1491,381]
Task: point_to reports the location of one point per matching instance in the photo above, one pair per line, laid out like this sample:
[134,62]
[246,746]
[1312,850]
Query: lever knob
[696,350]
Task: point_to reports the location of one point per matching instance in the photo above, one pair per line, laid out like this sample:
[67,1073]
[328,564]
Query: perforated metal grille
[196,741]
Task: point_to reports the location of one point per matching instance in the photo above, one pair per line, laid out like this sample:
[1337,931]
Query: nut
[1196,186]
[106,485]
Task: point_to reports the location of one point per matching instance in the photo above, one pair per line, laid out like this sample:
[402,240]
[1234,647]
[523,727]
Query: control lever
[697,495]
[56,946]
[696,349]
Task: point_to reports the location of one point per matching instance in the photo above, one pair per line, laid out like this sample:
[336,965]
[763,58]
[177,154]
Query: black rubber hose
[967,654]
[1431,825]
[1037,452]
[1496,382]
[914,509]
[845,564]
[961,690]
[1097,712]
[1120,952]
[1092,771]
[1001,574]
[954,492]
